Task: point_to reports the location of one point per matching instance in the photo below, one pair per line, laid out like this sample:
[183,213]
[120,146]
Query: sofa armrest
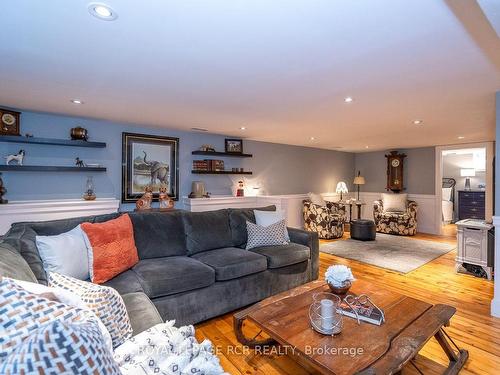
[141,311]
[311,240]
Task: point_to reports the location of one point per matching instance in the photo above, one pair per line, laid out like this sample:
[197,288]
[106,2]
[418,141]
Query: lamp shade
[467,172]
[341,188]
[359,180]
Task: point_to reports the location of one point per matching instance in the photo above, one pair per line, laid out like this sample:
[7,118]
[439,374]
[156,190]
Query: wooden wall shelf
[50,141]
[220,172]
[45,168]
[224,154]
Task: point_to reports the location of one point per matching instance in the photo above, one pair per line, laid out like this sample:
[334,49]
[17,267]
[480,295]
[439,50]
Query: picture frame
[233,146]
[149,160]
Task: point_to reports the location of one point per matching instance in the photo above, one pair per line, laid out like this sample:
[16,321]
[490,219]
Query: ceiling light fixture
[348,99]
[418,122]
[76,101]
[312,138]
[102,11]
[367,146]
[242,128]
[460,137]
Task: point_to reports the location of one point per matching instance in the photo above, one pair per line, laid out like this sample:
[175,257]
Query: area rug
[396,253]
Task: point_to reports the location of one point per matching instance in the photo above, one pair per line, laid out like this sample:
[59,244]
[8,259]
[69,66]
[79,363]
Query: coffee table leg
[457,358]
[238,320]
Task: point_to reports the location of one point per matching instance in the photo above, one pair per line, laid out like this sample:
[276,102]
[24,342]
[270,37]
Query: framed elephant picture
[149,160]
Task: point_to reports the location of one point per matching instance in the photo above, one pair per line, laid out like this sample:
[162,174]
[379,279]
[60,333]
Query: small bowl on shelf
[342,290]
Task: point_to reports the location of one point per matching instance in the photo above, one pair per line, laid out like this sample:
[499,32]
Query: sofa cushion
[126,282]
[238,220]
[13,265]
[21,236]
[158,234]
[141,311]
[170,275]
[207,230]
[231,262]
[283,255]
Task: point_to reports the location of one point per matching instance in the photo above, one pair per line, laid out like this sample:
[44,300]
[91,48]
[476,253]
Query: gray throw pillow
[272,235]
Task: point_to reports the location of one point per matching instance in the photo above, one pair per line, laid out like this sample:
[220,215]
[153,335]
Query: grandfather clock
[395,171]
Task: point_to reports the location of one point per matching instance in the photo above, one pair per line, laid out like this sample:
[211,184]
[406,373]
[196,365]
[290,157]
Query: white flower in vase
[338,275]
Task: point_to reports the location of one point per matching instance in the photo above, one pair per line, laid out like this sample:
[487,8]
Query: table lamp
[467,172]
[341,189]
[359,180]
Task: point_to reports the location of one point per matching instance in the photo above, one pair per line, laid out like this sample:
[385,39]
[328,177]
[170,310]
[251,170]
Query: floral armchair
[401,223]
[328,221]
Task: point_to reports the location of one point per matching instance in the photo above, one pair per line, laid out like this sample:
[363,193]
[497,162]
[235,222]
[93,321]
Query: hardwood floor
[471,328]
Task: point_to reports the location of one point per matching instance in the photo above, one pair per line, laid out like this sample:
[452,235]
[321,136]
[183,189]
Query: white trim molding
[495,303]
[42,210]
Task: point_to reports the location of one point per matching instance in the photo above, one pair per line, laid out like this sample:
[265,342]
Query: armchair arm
[412,209]
[311,240]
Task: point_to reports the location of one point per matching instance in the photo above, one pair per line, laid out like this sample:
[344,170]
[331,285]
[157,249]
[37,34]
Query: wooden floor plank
[472,327]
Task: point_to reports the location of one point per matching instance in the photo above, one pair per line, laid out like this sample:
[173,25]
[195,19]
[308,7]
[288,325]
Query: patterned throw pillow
[61,347]
[271,235]
[22,312]
[104,301]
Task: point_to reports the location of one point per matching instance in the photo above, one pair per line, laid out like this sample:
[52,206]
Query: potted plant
[338,278]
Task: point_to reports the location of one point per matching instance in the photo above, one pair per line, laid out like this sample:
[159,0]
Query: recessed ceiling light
[367,146]
[242,128]
[418,122]
[312,138]
[461,137]
[102,11]
[348,99]
[76,101]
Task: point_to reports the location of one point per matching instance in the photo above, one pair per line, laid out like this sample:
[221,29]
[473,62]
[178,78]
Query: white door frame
[490,153]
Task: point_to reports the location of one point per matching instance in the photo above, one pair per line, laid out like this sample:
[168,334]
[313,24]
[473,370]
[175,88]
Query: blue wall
[278,169]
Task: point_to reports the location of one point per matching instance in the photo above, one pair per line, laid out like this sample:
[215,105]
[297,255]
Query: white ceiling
[280,68]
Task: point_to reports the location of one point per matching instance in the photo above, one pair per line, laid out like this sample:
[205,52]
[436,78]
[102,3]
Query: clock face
[8,119]
[395,163]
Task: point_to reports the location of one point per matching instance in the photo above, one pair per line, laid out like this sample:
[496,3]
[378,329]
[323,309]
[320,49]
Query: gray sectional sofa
[193,265]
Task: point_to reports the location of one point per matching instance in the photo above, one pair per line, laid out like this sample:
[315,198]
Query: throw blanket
[167,350]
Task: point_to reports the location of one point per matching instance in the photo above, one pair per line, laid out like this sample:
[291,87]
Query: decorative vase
[342,290]
[89,194]
[79,134]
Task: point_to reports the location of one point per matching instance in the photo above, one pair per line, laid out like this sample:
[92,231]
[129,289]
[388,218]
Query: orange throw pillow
[113,248]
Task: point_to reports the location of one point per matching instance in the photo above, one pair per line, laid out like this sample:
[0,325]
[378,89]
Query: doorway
[464,184]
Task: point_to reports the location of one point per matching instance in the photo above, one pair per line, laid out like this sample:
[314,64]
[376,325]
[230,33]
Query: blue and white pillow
[44,336]
[271,235]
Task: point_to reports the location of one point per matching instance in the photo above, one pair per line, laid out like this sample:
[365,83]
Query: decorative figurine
[19,157]
[79,162]
[144,202]
[3,191]
[240,192]
[29,135]
[165,201]
[79,134]
[89,194]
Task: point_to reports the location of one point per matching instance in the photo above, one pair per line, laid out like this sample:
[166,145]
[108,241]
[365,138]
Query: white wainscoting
[426,215]
[291,204]
[42,210]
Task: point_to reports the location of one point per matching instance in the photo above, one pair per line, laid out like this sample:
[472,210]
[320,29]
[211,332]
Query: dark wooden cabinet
[471,204]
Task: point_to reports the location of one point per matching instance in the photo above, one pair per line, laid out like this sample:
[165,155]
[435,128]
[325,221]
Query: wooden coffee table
[384,349]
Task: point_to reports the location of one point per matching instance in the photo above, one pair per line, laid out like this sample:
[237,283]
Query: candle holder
[324,315]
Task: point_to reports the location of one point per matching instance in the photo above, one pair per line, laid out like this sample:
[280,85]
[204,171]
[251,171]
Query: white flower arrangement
[338,274]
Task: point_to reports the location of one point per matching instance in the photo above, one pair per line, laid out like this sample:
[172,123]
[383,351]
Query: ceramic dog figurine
[79,162]
[144,202]
[19,157]
[165,201]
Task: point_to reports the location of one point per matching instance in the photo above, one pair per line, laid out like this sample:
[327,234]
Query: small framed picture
[234,146]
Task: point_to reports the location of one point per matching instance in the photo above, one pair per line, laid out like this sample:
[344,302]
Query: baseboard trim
[495,308]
